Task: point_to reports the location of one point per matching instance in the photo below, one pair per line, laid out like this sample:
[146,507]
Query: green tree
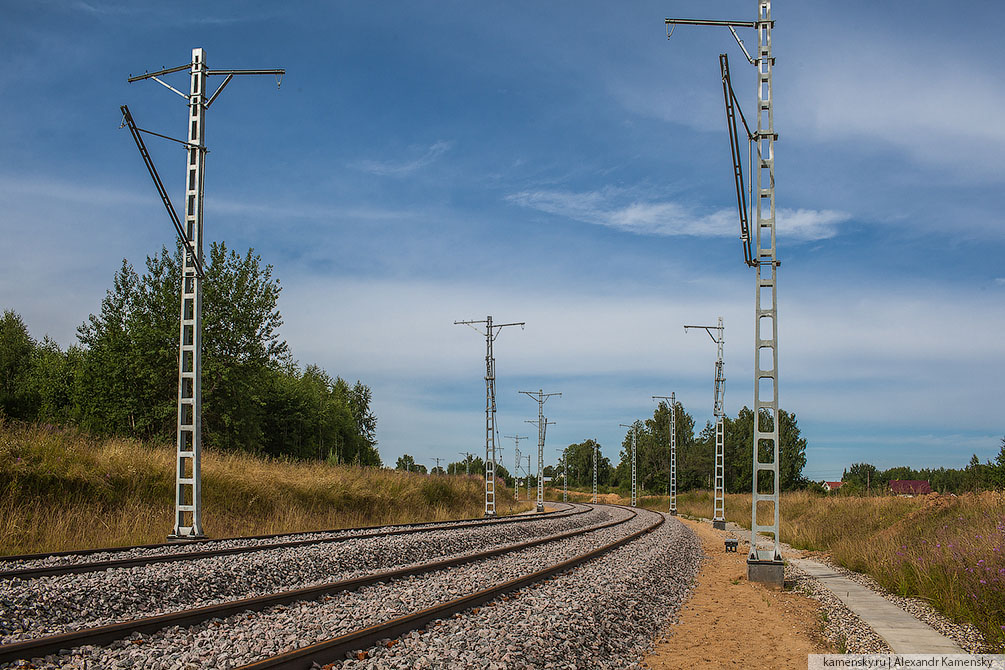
[407,463]
[580,460]
[861,476]
[255,398]
[16,351]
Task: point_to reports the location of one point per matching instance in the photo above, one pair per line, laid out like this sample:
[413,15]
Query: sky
[562,164]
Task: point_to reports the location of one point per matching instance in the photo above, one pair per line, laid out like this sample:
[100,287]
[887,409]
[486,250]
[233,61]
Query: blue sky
[561,164]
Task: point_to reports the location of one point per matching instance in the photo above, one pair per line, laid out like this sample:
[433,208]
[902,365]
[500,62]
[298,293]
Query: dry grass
[947,550]
[61,489]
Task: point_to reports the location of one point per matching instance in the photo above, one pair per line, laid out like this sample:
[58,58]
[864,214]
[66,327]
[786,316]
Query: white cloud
[614,208]
[943,112]
[865,356]
[402,168]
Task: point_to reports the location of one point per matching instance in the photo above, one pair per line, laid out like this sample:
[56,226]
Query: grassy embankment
[61,489]
[947,550]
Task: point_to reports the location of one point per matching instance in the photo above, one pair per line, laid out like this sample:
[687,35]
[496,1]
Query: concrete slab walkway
[904,633]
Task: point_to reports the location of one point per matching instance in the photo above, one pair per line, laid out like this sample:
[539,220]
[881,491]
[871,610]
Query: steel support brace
[188,479]
[765,486]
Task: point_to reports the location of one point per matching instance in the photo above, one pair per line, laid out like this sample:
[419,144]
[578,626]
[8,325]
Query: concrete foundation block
[719,525]
[771,573]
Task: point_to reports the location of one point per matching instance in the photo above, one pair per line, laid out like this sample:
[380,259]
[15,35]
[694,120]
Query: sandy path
[729,622]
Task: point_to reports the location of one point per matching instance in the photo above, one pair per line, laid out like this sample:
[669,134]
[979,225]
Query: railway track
[43,565]
[558,552]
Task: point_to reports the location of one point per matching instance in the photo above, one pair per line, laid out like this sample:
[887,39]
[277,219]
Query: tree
[16,350]
[580,460]
[255,397]
[405,462]
[861,476]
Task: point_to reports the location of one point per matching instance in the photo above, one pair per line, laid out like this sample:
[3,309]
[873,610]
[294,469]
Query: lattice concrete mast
[542,426]
[565,475]
[516,470]
[527,473]
[491,432]
[763,564]
[672,484]
[595,448]
[635,430]
[188,524]
[719,391]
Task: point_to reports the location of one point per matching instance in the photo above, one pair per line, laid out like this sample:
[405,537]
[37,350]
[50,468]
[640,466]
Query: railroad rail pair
[336,648]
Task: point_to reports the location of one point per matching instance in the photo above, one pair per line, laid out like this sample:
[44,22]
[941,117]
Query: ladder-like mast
[188,523]
[764,563]
[491,333]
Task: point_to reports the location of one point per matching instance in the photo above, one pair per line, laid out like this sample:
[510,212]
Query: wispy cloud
[614,208]
[401,168]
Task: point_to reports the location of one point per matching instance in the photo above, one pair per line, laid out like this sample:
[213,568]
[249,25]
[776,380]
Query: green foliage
[976,476]
[580,461]
[696,456]
[16,348]
[123,380]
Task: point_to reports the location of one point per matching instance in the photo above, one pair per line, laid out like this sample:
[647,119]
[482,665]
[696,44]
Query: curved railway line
[61,563]
[523,563]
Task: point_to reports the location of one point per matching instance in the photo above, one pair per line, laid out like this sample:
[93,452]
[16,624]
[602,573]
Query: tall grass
[947,550]
[61,489]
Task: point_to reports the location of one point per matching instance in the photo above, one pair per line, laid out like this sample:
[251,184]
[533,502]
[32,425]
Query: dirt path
[730,623]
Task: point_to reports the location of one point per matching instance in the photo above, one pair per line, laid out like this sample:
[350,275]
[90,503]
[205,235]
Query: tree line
[695,456]
[122,376]
[976,476]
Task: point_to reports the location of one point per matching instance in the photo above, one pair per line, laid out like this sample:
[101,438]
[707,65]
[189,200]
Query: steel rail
[401,529]
[51,644]
[336,648]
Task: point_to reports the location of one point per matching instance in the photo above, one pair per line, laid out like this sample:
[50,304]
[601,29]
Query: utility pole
[188,453]
[542,426]
[565,475]
[672,484]
[467,461]
[635,430]
[527,472]
[516,469]
[763,565]
[596,447]
[491,333]
[437,464]
[719,392]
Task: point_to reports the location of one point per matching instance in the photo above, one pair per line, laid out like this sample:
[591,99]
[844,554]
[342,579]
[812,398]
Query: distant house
[833,486]
[910,487]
